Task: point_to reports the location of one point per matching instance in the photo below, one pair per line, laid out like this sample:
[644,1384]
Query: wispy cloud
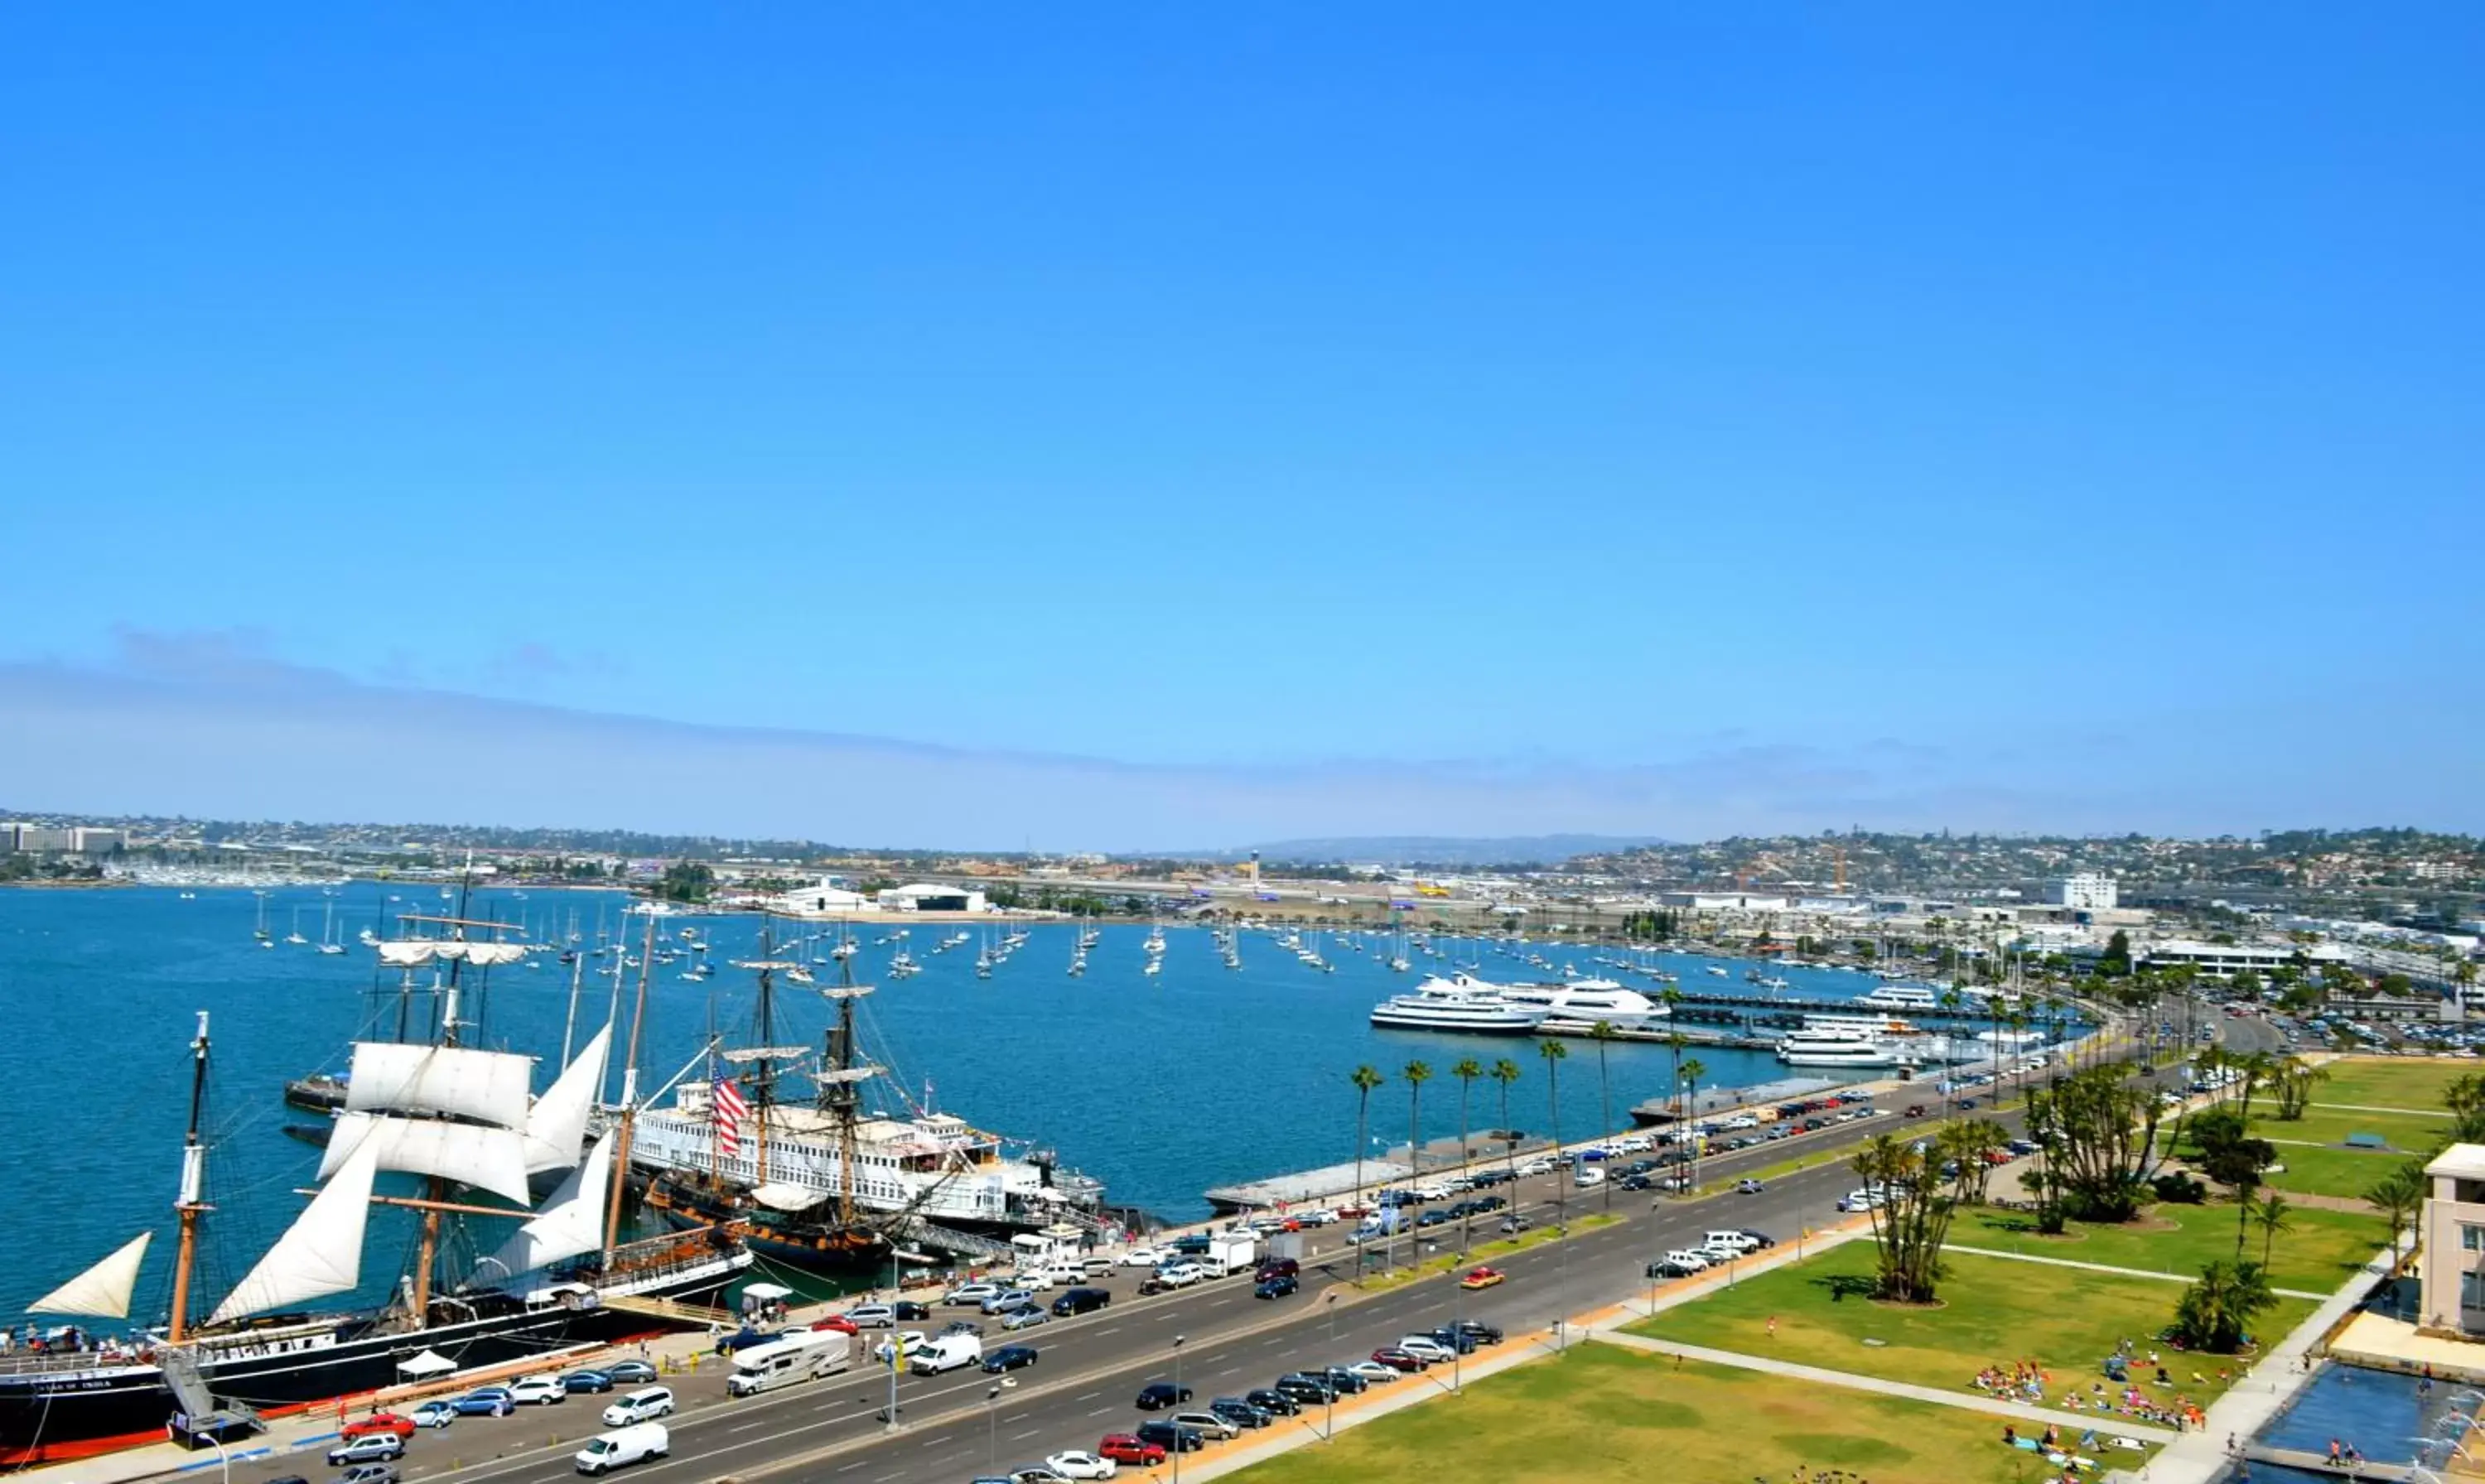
[216,722]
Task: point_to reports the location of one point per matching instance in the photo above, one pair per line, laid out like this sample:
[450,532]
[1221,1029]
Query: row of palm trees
[1367,1079]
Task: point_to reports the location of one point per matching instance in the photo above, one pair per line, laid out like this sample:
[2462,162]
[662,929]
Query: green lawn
[2392,1081]
[2321,1250]
[2416,1133]
[1993,1310]
[2330,1172]
[1604,1415]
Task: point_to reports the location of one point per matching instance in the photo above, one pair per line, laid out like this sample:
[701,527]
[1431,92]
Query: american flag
[731,1111]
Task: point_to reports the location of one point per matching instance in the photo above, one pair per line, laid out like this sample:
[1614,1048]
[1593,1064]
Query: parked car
[538,1390]
[1159,1395]
[644,1405]
[369,1449]
[435,1413]
[1182,1275]
[1131,1448]
[1005,1298]
[1009,1358]
[1271,1400]
[1208,1424]
[1241,1413]
[1167,1436]
[1399,1357]
[1346,1382]
[1478,1330]
[586,1381]
[970,1293]
[909,1312]
[630,1373]
[1081,1301]
[1304,1389]
[1373,1372]
[872,1317]
[1083,1466]
[369,1473]
[401,1427]
[1143,1257]
[489,1401]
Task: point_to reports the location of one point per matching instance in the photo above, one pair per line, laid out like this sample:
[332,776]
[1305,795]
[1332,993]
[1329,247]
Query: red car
[837,1322]
[1124,1448]
[1399,1360]
[377,1422]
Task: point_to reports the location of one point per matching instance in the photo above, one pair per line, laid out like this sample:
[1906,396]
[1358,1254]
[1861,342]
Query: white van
[1065,1273]
[624,1445]
[1590,1176]
[643,1405]
[946,1352]
[802,1356]
[1738,1241]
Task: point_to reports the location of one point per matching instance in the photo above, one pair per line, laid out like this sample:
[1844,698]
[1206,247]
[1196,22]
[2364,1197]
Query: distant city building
[43,838]
[9,836]
[2223,960]
[91,840]
[923,897]
[2086,891]
[829,896]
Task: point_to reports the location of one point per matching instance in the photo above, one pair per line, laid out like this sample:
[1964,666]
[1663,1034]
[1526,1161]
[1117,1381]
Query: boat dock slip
[2319,1463]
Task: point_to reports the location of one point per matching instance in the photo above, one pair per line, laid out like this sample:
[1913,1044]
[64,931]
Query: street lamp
[992,1431]
[1329,1391]
[1177,1401]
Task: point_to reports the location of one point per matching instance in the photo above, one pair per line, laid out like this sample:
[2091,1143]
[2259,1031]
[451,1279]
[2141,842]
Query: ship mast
[191,1202]
[629,1090]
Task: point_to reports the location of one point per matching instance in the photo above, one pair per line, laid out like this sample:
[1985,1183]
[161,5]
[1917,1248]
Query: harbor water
[1160,1086]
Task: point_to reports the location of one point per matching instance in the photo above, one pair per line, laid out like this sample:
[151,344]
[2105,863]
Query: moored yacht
[1917,997]
[1460,1002]
[1583,1002]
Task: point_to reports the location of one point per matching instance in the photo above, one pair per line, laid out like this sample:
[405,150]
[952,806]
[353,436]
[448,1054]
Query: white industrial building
[827,899]
[926,897]
[2085,891]
[2225,960]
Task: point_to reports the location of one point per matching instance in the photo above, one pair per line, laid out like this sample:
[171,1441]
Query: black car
[1663,1269]
[1080,1301]
[1159,1395]
[1346,1382]
[1171,1438]
[1191,1246]
[1276,1287]
[1457,1340]
[1434,1218]
[1635,1182]
[1490,1334]
[1274,1401]
[1308,1390]
[1765,1240]
[1279,1267]
[1011,1357]
[1490,1203]
[1241,1413]
[904,1309]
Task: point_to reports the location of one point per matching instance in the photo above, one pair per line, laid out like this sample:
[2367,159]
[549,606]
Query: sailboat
[462,1119]
[328,943]
[295,937]
[779,1221]
[260,932]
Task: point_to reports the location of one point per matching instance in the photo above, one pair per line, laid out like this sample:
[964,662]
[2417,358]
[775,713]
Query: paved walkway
[2411,1113]
[2072,1422]
[2099,1267]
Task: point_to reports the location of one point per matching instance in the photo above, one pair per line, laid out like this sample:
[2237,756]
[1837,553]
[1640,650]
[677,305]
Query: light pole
[1329,1392]
[1177,1401]
[993,1430]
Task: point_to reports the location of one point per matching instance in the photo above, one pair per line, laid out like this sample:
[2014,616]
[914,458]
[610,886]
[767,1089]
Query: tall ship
[445,1130]
[1460,1002]
[841,1178]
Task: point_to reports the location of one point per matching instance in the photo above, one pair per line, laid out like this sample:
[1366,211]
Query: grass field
[1603,1415]
[1993,1310]
[2414,1133]
[2393,1081]
[2330,1171]
[2320,1251]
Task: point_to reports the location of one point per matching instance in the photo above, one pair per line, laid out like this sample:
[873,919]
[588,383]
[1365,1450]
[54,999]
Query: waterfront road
[1091,1369]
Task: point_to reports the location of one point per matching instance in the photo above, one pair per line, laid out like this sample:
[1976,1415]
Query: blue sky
[1136,427]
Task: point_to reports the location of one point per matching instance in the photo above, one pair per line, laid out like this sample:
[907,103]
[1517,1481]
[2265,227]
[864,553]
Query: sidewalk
[2099,1267]
[2072,1423]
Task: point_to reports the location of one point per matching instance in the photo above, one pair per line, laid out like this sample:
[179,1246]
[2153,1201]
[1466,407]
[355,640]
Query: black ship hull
[52,1409]
[812,1246]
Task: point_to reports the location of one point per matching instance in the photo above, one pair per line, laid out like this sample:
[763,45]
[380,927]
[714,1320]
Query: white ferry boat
[1580,1003]
[1916,997]
[1844,1046]
[1460,1002]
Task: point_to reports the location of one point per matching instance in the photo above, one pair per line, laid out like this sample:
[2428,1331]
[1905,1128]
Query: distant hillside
[1442,850]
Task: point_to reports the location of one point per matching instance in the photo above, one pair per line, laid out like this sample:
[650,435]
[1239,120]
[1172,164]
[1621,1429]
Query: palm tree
[1467,1071]
[1675,1043]
[1366,1077]
[1602,1033]
[2272,1216]
[1692,1071]
[1416,1073]
[1505,1072]
[1553,1051]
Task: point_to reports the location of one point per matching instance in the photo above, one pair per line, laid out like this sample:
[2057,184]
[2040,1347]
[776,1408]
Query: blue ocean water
[1162,1087]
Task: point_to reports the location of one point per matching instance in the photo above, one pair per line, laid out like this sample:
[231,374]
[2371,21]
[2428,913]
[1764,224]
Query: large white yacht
[1917,997]
[1580,1003]
[1843,1045]
[1460,1002]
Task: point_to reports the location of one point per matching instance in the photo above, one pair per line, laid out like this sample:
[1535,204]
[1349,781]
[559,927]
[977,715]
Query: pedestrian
[1773,1326]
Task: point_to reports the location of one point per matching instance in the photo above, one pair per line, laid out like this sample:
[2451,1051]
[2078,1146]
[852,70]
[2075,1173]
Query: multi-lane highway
[962,1425]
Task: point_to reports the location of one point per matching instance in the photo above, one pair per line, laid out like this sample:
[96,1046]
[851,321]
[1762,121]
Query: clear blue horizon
[1122,429]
